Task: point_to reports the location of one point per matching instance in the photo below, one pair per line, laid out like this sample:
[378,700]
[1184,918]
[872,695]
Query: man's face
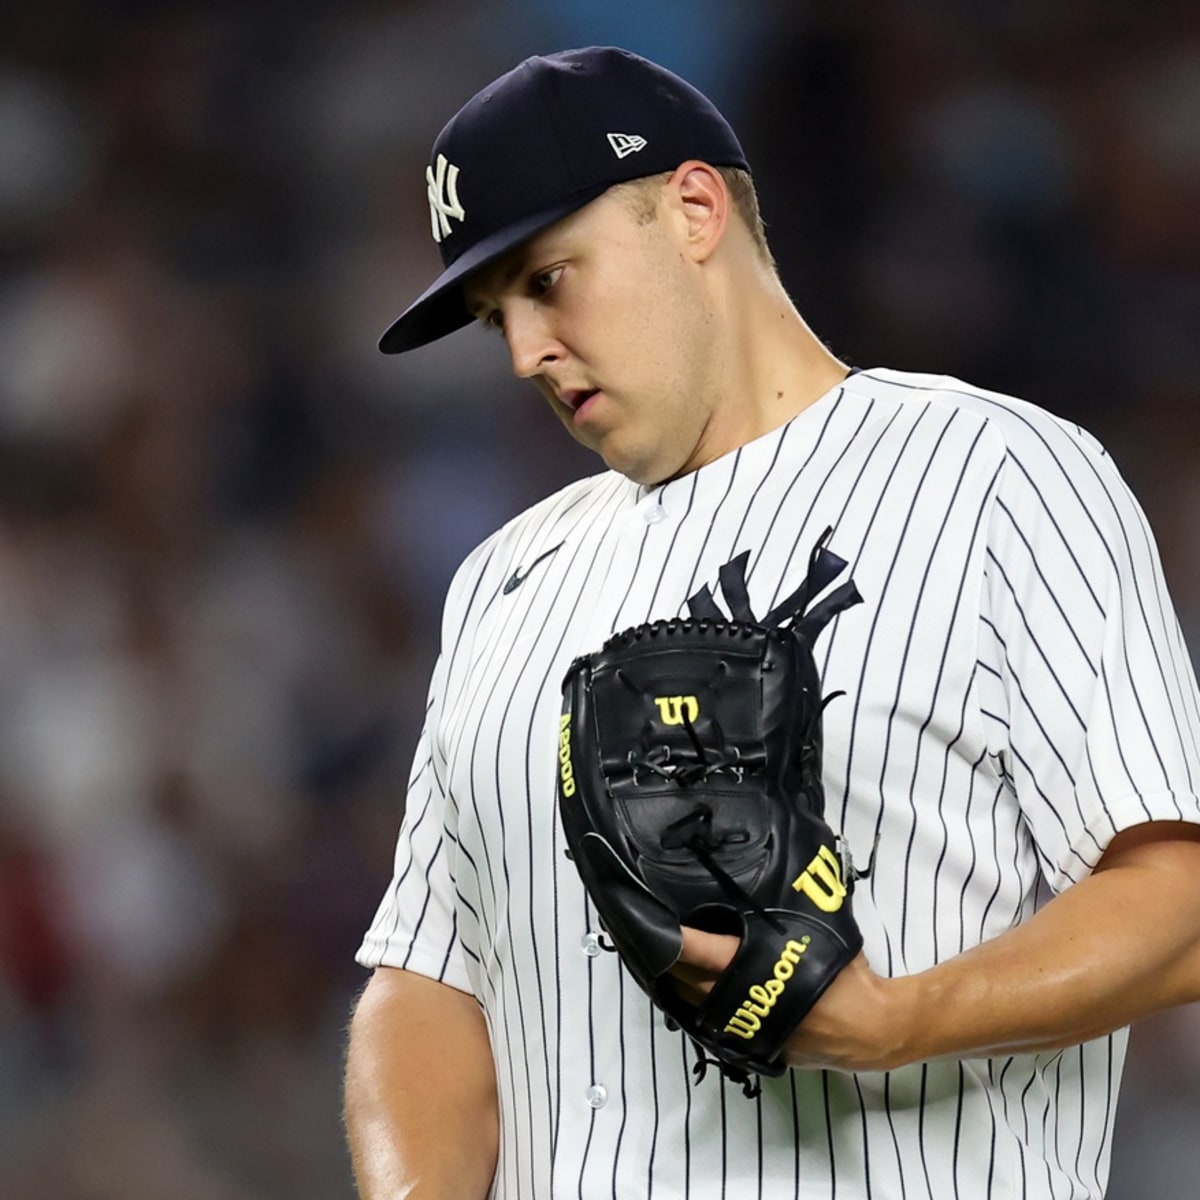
[606,314]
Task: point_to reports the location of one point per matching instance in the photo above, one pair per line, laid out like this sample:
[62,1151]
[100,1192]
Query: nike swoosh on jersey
[519,576]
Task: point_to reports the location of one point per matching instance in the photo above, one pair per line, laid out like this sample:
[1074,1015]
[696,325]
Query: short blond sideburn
[639,195]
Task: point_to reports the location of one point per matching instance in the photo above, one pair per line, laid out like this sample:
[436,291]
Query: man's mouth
[576,398]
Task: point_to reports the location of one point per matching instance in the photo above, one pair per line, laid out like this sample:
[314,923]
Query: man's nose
[531,342]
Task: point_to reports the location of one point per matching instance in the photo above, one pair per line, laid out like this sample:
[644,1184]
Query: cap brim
[441,309]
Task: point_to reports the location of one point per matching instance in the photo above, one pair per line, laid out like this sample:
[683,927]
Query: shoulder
[1059,506]
[1052,487]
[1011,422]
[1032,447]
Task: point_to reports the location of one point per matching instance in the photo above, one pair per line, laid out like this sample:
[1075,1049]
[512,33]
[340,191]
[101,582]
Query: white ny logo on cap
[442,190]
[625,144]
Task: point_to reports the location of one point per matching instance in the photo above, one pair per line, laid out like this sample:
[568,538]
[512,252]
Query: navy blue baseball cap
[539,143]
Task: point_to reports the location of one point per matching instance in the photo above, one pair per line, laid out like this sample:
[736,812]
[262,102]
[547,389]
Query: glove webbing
[823,568]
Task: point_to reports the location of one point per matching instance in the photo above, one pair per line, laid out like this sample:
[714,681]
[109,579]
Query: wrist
[864,1022]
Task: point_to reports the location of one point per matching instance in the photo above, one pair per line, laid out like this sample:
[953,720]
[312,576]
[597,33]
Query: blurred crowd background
[226,521]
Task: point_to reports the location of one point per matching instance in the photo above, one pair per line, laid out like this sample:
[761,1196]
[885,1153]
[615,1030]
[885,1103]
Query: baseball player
[1015,754]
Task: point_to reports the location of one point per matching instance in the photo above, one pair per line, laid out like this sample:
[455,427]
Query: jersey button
[655,514]
[591,944]
[597,1095]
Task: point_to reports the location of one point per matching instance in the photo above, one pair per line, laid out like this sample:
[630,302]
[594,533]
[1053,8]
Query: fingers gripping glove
[690,794]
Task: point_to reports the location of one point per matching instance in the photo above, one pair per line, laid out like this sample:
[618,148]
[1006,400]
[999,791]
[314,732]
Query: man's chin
[638,469]
[639,464]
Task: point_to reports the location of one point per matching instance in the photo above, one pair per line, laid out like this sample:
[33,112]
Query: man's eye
[543,281]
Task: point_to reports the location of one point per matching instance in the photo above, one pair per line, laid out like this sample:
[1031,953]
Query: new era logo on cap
[625,144]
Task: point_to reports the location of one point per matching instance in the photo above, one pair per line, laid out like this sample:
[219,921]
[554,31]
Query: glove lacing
[709,760]
[694,831]
[751,1084]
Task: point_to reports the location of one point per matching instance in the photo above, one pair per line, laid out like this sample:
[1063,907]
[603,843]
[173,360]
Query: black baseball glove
[690,794]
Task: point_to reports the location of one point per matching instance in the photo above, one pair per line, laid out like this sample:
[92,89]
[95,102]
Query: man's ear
[699,191]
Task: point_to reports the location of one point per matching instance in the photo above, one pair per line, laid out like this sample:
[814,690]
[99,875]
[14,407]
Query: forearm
[1121,944]
[420,1100]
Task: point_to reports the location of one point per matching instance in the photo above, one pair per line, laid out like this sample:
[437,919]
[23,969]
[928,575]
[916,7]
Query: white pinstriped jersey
[1017,692]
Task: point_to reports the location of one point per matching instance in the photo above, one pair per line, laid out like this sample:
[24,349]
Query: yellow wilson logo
[566,772]
[762,997]
[672,708]
[821,881]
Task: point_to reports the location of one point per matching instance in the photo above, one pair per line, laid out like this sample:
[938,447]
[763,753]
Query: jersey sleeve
[415,926]
[1087,688]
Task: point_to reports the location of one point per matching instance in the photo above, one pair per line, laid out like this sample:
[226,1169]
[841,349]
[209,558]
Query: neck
[772,365]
